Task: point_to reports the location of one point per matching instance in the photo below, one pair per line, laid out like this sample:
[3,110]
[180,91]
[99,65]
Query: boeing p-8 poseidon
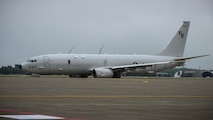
[111,66]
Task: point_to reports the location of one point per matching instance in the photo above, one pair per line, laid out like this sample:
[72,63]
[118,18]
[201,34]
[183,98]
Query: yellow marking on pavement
[102,96]
[146,81]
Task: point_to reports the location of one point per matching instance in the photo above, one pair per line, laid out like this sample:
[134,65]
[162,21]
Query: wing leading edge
[136,65]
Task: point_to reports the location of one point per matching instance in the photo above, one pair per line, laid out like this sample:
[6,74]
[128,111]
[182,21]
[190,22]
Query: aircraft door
[105,62]
[46,61]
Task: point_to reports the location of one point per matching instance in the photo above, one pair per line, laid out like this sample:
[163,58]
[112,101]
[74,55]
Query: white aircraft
[111,66]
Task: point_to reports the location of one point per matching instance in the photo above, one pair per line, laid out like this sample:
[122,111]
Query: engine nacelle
[102,73]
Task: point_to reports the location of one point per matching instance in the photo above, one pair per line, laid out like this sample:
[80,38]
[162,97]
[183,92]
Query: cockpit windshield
[31,60]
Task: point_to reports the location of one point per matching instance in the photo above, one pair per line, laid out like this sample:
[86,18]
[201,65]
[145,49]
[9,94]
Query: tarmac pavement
[128,98]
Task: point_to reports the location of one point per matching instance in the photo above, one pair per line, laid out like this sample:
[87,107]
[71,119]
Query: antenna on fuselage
[71,49]
[101,49]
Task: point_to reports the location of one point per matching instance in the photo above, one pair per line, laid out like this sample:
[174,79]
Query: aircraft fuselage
[83,64]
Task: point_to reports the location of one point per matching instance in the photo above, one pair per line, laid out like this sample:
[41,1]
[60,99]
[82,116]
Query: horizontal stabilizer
[183,59]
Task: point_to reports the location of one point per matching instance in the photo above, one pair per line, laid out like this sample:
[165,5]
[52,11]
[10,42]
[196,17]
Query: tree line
[6,70]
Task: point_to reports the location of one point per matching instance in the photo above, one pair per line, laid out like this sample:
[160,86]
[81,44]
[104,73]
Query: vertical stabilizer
[177,45]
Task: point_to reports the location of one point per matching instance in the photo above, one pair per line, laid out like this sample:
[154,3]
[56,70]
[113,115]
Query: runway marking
[103,96]
[32,117]
[30,113]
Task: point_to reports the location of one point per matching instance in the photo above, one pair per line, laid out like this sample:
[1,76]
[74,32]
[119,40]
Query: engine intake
[102,73]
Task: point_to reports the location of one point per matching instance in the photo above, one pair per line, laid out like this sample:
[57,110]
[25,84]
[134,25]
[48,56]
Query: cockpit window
[31,60]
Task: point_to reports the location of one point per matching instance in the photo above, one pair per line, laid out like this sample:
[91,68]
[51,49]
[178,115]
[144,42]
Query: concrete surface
[108,99]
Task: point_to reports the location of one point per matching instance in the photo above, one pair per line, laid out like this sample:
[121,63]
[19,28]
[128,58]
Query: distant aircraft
[111,66]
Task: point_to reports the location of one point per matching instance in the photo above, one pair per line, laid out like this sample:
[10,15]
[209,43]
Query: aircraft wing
[132,66]
[124,67]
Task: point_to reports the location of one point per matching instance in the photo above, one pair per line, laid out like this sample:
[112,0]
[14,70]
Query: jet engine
[102,73]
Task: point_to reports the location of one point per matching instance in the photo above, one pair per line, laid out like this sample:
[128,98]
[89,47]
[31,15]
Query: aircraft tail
[177,45]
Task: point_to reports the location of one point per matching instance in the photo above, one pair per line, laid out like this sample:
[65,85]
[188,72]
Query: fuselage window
[69,62]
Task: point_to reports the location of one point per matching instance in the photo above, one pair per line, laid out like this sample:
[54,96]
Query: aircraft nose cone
[24,66]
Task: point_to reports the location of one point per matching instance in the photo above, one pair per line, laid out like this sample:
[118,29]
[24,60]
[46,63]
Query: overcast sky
[33,27]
